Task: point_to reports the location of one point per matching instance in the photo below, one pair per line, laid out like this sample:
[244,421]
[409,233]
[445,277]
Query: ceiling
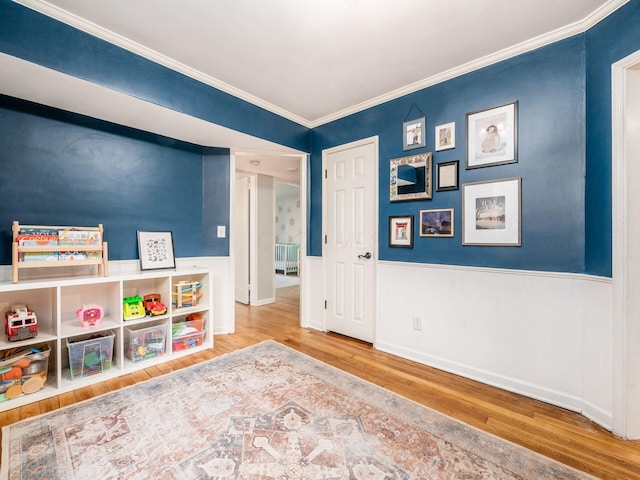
[314,61]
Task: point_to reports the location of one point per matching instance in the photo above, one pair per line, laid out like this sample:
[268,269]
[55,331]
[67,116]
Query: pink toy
[90,315]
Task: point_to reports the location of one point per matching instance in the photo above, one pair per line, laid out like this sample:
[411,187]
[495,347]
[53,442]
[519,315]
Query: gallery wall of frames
[491,211]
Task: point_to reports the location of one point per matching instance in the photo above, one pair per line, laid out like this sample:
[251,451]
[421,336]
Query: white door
[241,239]
[350,220]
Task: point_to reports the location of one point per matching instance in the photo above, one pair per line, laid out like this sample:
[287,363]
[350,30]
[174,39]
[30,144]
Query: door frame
[325,153]
[620,241]
[304,202]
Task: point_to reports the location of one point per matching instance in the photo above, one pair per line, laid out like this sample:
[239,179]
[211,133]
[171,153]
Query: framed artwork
[155,250]
[401,231]
[492,136]
[413,133]
[491,212]
[446,136]
[436,223]
[410,178]
[448,176]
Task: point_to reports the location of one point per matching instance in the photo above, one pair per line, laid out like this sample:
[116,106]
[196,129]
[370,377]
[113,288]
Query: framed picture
[410,178]
[446,136]
[491,213]
[155,250]
[413,133]
[448,176]
[436,223]
[492,136]
[401,231]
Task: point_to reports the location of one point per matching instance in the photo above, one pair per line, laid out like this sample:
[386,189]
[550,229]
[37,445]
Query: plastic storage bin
[23,371]
[187,334]
[90,354]
[145,343]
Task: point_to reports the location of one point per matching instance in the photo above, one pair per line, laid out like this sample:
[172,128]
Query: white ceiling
[311,61]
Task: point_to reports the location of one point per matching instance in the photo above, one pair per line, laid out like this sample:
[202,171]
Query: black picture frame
[448,176]
[155,250]
[492,136]
[401,231]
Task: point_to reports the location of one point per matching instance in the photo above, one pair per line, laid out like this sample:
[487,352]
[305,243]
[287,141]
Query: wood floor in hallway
[551,431]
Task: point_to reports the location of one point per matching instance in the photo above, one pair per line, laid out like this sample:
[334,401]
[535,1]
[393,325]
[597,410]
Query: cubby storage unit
[79,356]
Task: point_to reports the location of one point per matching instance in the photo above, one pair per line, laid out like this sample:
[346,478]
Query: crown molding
[97,31]
[527,46]
[107,35]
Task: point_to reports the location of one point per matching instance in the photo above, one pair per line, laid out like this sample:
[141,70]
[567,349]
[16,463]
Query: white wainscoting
[544,335]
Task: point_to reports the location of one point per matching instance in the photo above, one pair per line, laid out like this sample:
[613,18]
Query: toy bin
[90,354]
[145,343]
[188,333]
[23,371]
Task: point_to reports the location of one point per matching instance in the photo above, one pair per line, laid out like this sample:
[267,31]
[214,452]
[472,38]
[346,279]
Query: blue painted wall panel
[37,38]
[548,84]
[609,41]
[58,168]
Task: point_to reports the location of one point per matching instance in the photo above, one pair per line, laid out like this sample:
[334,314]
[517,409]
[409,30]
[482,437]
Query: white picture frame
[491,212]
[445,136]
[492,136]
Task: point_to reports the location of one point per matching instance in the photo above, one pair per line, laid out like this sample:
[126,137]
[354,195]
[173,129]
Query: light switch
[222,231]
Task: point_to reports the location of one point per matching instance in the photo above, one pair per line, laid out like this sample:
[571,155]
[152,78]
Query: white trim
[528,273]
[111,37]
[619,239]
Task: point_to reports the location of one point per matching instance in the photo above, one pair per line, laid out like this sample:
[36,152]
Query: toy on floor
[90,315]
[133,308]
[186,294]
[153,306]
[20,323]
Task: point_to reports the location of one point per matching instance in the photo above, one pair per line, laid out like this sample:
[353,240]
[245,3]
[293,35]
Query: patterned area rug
[265,412]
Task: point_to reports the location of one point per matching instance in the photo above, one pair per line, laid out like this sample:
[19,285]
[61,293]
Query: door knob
[366,255]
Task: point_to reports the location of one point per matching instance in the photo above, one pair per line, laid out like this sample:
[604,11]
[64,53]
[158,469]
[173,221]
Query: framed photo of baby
[492,136]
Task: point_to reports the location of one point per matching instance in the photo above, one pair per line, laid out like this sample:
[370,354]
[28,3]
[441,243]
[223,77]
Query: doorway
[626,248]
[254,246]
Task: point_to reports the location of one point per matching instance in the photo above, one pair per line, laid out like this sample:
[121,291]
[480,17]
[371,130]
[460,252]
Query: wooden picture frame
[437,223]
[445,136]
[155,250]
[448,176]
[492,136]
[491,212]
[410,178]
[413,134]
[401,231]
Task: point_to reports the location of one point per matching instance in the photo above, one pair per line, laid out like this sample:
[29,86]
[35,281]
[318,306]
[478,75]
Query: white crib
[287,258]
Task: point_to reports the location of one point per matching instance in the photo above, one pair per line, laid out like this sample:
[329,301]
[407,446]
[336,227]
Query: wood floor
[551,431]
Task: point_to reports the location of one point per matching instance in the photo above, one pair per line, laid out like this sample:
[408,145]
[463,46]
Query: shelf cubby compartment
[74,297]
[42,302]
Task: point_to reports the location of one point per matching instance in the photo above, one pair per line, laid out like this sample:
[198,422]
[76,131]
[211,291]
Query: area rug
[264,412]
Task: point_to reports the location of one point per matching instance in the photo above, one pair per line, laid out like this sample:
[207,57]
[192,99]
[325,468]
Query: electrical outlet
[417,323]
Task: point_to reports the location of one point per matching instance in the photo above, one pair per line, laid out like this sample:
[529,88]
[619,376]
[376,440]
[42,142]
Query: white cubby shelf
[55,302]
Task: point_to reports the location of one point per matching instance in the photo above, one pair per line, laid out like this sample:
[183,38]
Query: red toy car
[153,306]
[20,323]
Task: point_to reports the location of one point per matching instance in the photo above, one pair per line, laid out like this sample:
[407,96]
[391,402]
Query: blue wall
[564,99]
[548,84]
[613,39]
[58,168]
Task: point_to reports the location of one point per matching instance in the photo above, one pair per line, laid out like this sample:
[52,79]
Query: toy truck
[20,323]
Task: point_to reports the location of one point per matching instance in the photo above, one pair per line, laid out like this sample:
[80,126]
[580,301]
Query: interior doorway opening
[276,180]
